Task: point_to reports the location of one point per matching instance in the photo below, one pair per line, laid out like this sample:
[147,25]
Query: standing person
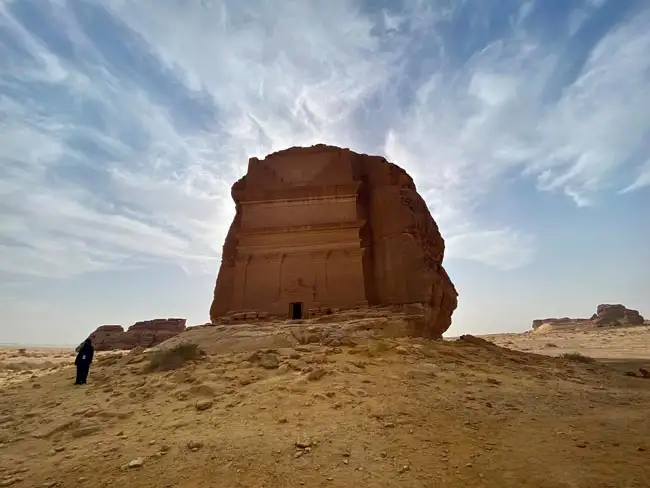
[83,360]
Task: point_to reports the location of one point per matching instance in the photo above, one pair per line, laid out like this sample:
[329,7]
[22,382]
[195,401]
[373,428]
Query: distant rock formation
[607,315]
[617,314]
[320,230]
[147,333]
[559,322]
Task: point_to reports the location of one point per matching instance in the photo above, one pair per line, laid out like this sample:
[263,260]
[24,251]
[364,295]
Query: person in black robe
[85,355]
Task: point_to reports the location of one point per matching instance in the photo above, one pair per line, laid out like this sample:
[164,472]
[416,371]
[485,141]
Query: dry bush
[174,358]
[576,356]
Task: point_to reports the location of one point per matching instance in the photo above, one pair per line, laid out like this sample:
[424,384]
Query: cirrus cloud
[125,122]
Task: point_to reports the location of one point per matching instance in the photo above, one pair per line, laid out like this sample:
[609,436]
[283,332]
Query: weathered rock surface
[559,322]
[617,314]
[345,328]
[146,333]
[607,315]
[106,336]
[322,229]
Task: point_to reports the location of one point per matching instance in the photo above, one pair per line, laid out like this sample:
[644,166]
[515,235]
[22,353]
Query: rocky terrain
[610,344]
[371,411]
[607,315]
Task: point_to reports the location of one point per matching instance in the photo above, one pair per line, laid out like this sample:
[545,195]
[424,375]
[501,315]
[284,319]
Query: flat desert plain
[509,411]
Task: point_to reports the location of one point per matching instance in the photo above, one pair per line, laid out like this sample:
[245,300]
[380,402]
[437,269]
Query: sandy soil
[602,343]
[382,413]
[19,364]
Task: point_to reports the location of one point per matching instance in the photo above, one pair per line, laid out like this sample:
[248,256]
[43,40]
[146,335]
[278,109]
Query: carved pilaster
[353,252]
[273,257]
[319,256]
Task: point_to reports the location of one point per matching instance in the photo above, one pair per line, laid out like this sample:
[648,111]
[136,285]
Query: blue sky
[123,123]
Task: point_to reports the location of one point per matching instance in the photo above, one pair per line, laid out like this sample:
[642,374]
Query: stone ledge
[344,328]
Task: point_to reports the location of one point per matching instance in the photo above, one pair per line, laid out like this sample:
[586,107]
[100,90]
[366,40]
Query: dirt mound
[381,413]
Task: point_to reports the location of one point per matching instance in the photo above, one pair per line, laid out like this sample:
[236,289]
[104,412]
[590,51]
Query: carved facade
[321,229]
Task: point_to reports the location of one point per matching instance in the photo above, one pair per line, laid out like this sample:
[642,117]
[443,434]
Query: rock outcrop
[322,229]
[344,328]
[617,314]
[559,322]
[606,315]
[107,337]
[147,333]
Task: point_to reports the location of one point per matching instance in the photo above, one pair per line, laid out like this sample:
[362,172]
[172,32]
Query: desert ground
[391,412]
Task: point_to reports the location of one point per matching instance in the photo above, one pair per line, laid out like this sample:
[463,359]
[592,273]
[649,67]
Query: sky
[123,124]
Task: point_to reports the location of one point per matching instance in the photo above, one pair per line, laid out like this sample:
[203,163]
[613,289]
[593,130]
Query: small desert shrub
[576,356]
[174,358]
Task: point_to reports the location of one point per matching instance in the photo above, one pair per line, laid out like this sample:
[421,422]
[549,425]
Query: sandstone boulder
[265,338]
[321,230]
[141,334]
[106,336]
[617,314]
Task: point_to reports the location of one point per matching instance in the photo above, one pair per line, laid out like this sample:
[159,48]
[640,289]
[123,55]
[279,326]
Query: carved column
[319,265]
[241,271]
[274,259]
[355,257]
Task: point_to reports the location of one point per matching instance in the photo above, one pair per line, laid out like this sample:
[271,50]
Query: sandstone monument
[607,315]
[146,333]
[322,229]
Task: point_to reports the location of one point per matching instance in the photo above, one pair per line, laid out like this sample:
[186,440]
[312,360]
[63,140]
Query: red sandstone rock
[141,334]
[323,229]
[606,316]
[172,325]
[105,336]
[617,314]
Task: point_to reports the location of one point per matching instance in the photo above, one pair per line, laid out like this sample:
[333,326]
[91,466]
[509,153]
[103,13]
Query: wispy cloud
[642,180]
[123,123]
[509,109]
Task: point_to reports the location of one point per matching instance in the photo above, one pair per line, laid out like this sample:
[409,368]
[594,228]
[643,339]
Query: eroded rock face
[322,229]
[615,314]
[146,333]
[105,336]
[607,315]
[563,321]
